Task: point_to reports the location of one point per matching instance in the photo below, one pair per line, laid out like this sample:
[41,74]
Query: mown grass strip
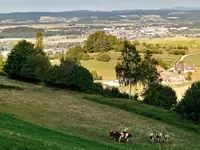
[139,108]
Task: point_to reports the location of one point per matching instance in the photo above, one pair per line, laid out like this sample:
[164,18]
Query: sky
[7,6]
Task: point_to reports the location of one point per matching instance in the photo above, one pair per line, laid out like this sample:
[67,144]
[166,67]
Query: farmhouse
[172,78]
[169,77]
[184,67]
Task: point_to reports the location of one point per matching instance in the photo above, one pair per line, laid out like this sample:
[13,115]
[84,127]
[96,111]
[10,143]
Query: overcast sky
[65,5]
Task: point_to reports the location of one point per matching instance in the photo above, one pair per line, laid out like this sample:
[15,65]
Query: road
[185,56]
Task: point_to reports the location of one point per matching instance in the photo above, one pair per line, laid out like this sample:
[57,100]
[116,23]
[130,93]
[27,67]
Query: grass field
[195,59]
[82,122]
[17,134]
[195,42]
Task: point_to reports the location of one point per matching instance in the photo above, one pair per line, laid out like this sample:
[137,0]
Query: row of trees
[28,62]
[133,69]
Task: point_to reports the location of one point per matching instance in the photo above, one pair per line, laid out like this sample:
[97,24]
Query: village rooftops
[185,67]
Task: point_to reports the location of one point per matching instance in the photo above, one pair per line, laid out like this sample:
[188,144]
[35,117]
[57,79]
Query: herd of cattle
[124,136]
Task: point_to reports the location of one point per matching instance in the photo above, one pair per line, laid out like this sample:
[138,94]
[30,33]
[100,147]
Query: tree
[104,57]
[128,70]
[100,42]
[160,95]
[188,107]
[70,75]
[35,67]
[39,40]
[75,53]
[149,75]
[16,59]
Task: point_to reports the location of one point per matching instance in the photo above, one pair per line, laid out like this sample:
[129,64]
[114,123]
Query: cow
[115,135]
[166,137]
[152,137]
[159,137]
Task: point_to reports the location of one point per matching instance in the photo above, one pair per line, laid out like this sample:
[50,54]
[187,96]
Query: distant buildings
[170,77]
[184,67]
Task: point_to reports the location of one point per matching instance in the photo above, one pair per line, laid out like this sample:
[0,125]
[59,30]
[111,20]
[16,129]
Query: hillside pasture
[74,114]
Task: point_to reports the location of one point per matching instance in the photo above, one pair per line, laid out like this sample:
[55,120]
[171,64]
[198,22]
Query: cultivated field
[78,115]
[194,42]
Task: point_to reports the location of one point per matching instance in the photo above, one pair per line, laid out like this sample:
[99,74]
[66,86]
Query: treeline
[102,42]
[28,62]
[28,32]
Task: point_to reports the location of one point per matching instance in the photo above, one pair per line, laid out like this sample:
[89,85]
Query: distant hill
[181,8]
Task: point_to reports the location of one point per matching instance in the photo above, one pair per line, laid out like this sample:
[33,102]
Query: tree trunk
[130,89]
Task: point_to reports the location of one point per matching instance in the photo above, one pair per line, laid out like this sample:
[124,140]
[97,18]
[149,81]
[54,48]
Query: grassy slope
[17,134]
[69,112]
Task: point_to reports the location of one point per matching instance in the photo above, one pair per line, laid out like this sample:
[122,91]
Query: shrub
[81,79]
[17,58]
[96,76]
[189,105]
[162,96]
[104,58]
[70,75]
[3,74]
[86,57]
[75,53]
[35,67]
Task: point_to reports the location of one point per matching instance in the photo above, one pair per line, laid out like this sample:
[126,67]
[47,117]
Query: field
[194,42]
[83,121]
[195,59]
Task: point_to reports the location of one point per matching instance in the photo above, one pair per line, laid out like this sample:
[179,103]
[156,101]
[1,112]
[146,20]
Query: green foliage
[163,64]
[19,32]
[149,75]
[161,96]
[189,76]
[35,67]
[81,79]
[100,42]
[111,92]
[129,68]
[85,57]
[39,40]
[76,53]
[189,105]
[70,75]
[18,56]
[10,87]
[3,74]
[96,76]
[178,52]
[104,57]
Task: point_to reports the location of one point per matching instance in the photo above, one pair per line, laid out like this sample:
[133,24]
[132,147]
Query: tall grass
[161,114]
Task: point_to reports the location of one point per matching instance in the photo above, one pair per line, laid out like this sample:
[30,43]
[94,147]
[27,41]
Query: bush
[35,67]
[86,57]
[96,76]
[104,58]
[162,96]
[189,105]
[70,75]
[17,58]
[3,74]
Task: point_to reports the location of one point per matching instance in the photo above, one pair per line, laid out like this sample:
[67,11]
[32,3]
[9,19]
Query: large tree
[100,42]
[39,40]
[16,59]
[128,70]
[149,75]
